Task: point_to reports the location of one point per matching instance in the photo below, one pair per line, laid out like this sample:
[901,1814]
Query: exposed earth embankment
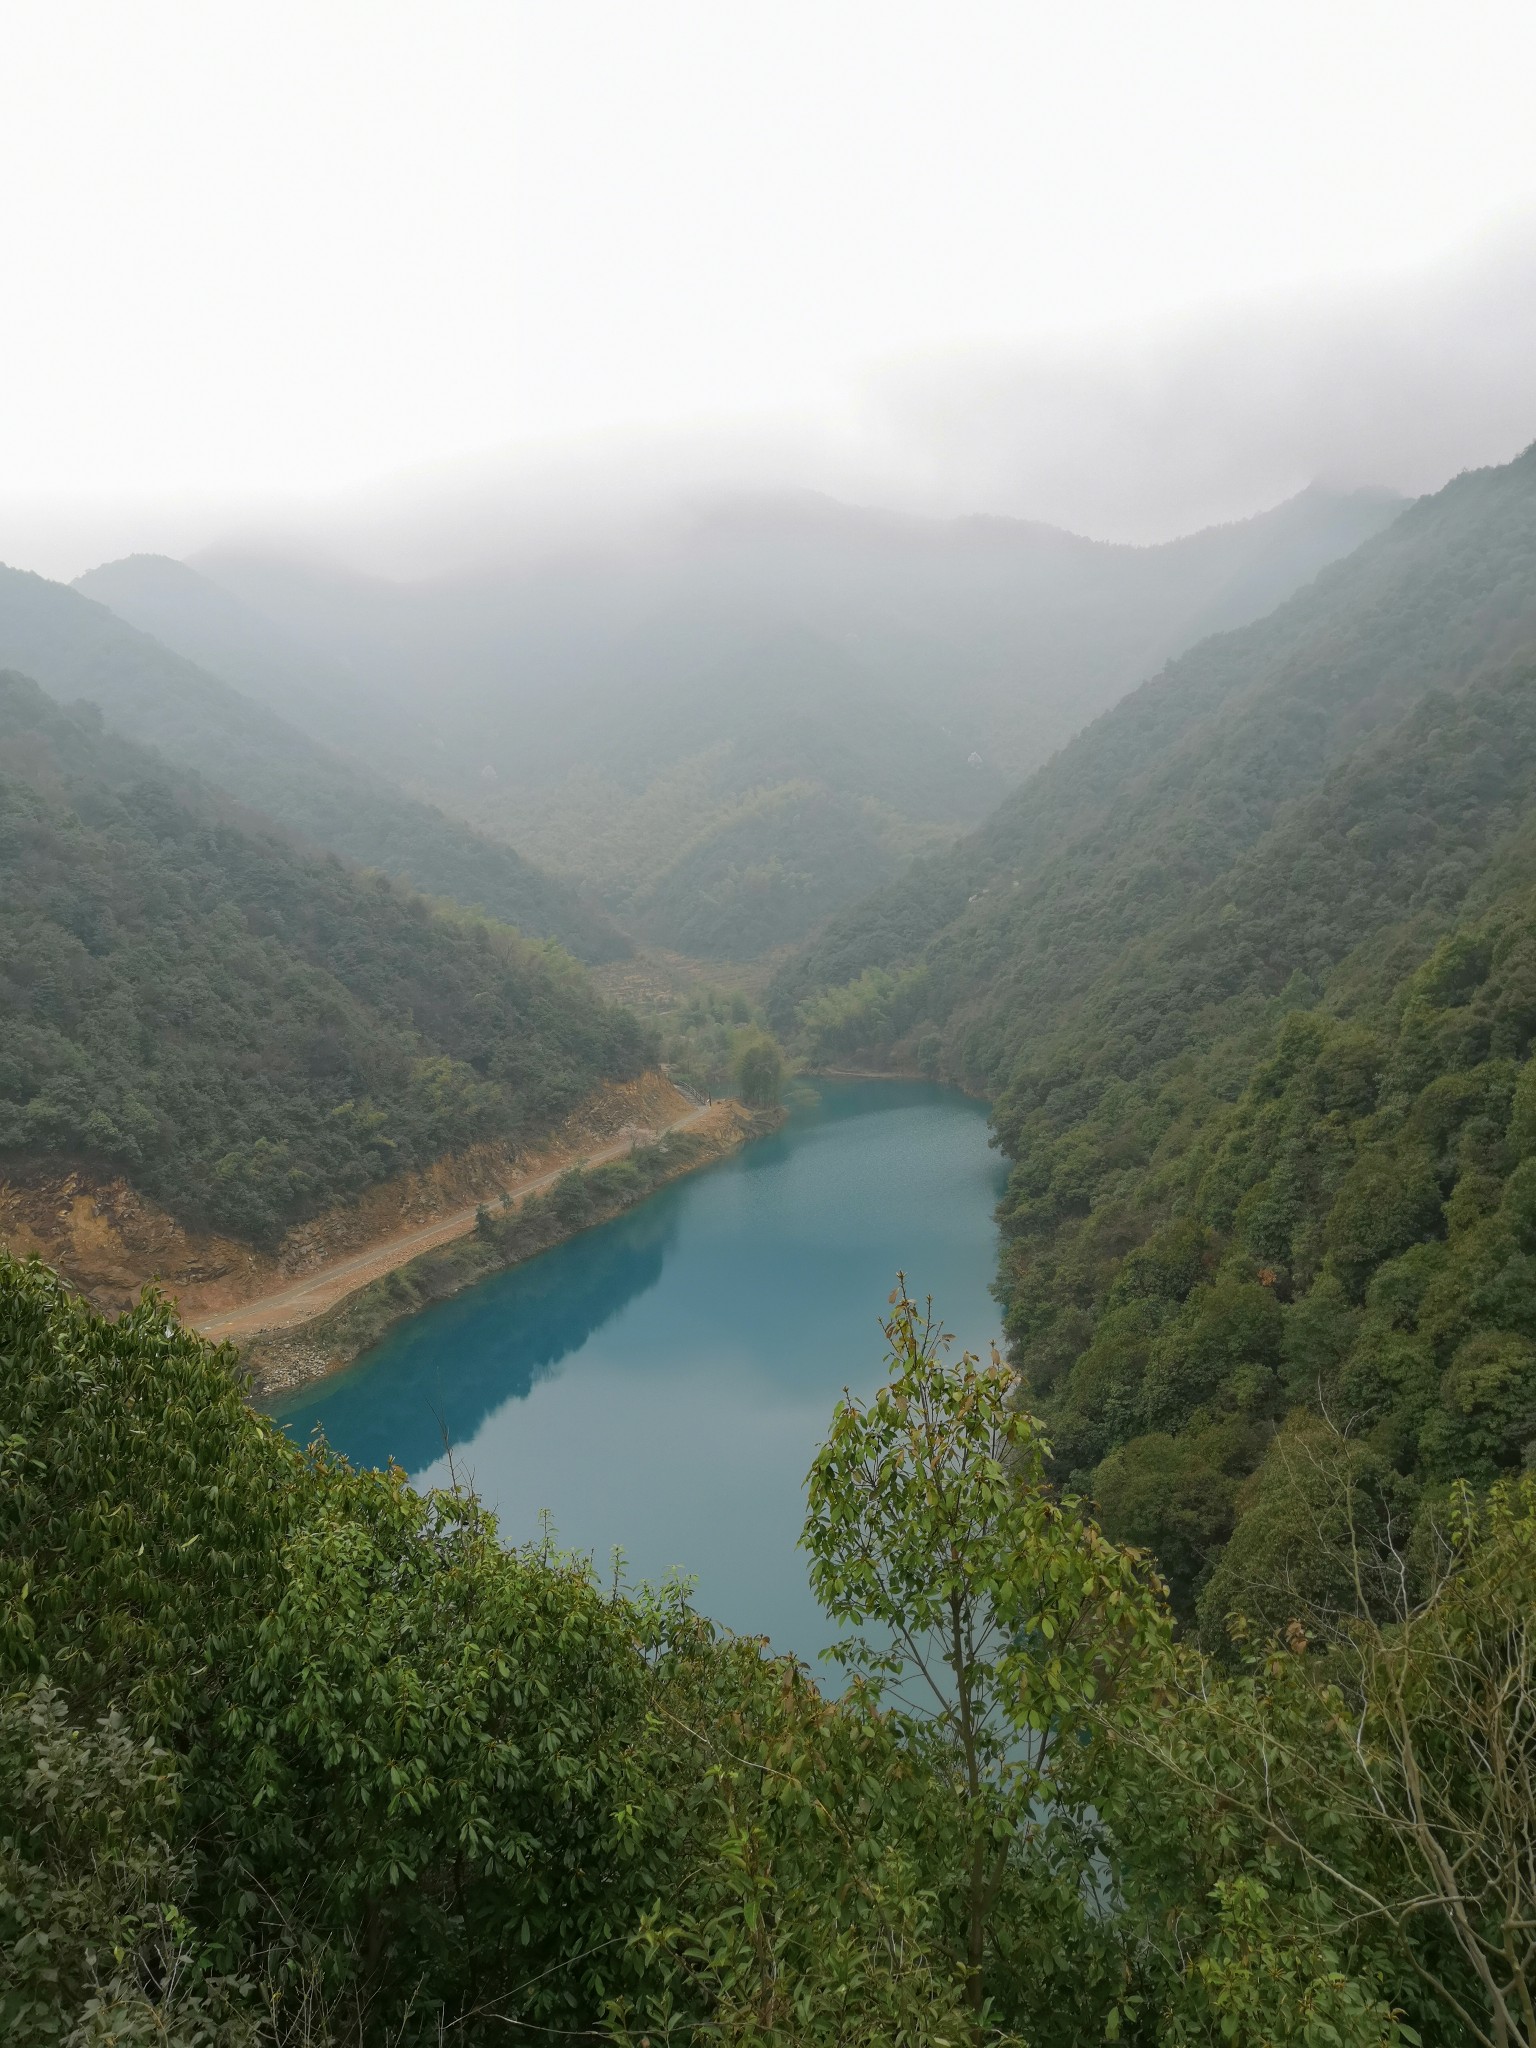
[109,1241]
[560,1204]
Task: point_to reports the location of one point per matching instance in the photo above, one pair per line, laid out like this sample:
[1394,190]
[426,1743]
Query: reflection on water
[661,1383]
[437,1376]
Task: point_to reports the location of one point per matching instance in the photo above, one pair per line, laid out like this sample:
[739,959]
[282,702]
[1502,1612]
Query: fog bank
[1140,434]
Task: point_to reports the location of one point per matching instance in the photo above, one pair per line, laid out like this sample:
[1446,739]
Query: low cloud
[1137,435]
[1140,436]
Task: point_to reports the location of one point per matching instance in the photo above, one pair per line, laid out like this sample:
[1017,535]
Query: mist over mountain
[1156,427]
[727,724]
[1138,827]
[208,625]
[79,650]
[1134,429]
[926,614]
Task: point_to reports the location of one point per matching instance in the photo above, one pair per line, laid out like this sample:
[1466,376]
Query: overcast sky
[1127,266]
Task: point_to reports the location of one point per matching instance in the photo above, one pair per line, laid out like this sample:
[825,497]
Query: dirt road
[312,1295]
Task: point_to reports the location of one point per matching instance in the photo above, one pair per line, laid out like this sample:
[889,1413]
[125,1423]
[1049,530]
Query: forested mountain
[78,649]
[1250,973]
[731,725]
[1269,1333]
[245,1029]
[1153,803]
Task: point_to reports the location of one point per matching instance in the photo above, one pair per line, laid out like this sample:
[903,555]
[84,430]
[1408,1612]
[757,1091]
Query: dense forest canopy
[730,724]
[247,1030]
[77,649]
[629,851]
[1234,1311]
[292,1756]
[1191,1695]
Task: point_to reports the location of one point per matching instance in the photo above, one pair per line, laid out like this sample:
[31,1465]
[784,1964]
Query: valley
[768,1025]
[725,729]
[1227,846]
[555,1130]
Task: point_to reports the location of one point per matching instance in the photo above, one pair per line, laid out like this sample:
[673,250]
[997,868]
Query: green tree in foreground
[1364,1803]
[794,1905]
[294,1755]
[999,1618]
[95,1946]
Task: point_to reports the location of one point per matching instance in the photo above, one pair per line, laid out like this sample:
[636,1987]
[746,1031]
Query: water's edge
[660,1383]
[276,1362]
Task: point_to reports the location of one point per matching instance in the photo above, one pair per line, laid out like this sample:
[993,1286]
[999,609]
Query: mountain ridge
[1288,675]
[1249,975]
[76,647]
[638,713]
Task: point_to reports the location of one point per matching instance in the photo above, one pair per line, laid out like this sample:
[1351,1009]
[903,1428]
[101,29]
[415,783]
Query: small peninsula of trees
[758,1071]
[292,1754]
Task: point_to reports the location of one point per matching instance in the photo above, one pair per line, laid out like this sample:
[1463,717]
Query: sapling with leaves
[990,1614]
[1360,1797]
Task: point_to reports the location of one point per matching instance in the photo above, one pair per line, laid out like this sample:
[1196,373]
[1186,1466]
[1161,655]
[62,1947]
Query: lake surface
[661,1383]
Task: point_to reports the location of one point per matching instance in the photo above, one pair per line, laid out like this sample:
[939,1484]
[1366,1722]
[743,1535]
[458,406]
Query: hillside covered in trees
[78,650]
[1147,809]
[1247,973]
[245,1029]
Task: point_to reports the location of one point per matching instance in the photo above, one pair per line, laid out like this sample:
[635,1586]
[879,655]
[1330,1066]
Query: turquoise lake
[661,1383]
